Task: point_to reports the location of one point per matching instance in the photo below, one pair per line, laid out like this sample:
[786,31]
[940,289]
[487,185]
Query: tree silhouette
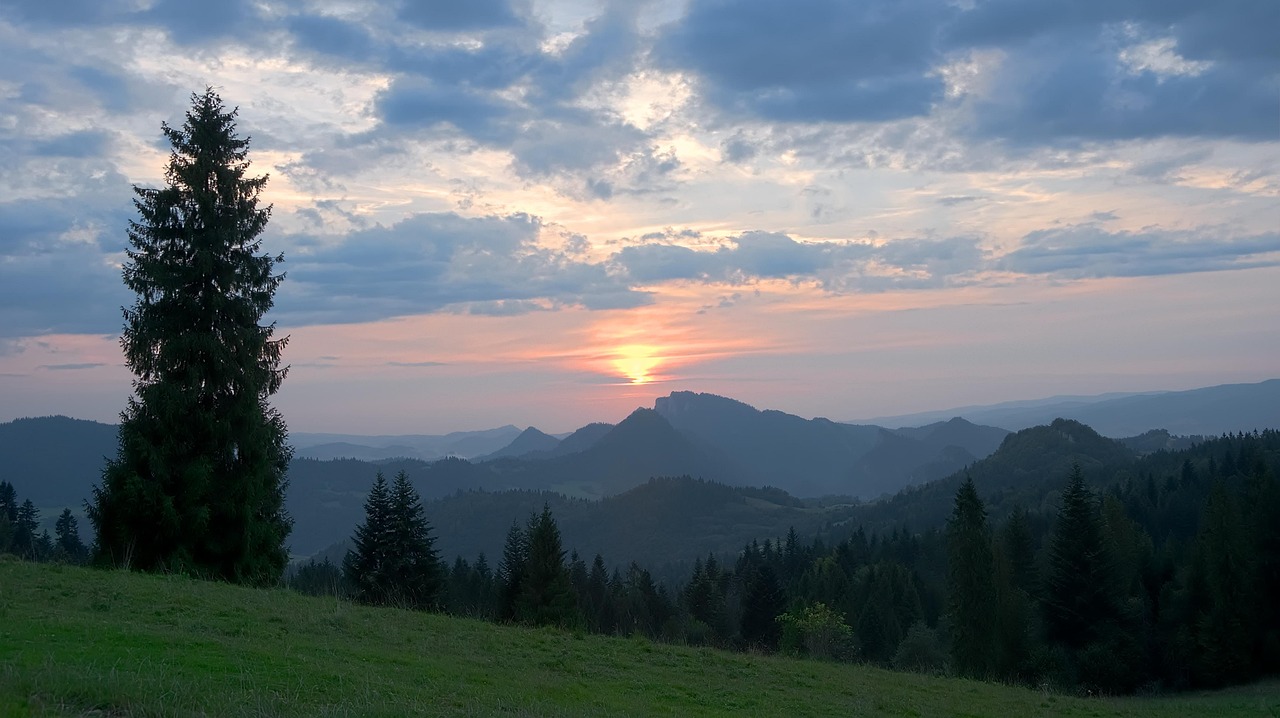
[198,482]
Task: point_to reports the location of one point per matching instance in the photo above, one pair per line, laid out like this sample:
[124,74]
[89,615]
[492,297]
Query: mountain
[1027,469]
[641,446]
[467,444]
[1210,411]
[974,439]
[530,441]
[347,450]
[54,460]
[813,457]
[581,440]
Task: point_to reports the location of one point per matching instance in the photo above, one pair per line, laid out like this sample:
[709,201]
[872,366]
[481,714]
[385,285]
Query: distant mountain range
[55,460]
[466,444]
[1211,411]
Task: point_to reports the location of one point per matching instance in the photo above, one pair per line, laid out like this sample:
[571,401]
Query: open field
[75,641]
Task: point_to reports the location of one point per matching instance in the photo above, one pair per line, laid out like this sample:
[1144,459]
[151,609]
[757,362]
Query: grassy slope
[81,642]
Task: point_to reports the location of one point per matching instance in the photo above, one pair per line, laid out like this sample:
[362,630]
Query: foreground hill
[80,642]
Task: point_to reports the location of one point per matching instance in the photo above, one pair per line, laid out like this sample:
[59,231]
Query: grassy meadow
[82,642]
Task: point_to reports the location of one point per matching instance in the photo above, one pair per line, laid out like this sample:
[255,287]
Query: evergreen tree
[511,571]
[26,538]
[546,592]
[599,611]
[1020,551]
[1079,592]
[970,584]
[70,547]
[413,574]
[318,579]
[1226,628]
[8,502]
[705,601]
[762,602]
[198,482]
[367,565]
[8,515]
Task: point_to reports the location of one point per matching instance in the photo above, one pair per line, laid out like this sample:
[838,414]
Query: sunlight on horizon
[637,362]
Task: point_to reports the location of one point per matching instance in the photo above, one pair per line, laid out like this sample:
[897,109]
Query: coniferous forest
[1160,575]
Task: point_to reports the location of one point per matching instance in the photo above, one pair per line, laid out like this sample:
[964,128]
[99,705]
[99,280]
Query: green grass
[106,643]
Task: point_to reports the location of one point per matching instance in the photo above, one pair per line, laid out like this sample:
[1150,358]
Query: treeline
[1166,578]
[20,532]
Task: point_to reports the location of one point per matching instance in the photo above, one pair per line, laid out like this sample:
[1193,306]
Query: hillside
[667,520]
[54,459]
[1209,411]
[1027,470]
[82,642]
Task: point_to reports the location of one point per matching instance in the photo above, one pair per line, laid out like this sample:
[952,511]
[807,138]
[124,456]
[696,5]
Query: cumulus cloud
[1066,72]
[817,60]
[1088,251]
[838,266]
[439,261]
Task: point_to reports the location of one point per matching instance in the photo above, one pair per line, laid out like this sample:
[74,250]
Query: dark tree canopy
[1079,590]
[198,483]
[395,560]
[971,584]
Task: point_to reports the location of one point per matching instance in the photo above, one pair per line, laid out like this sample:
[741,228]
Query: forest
[1162,575]
[1154,574]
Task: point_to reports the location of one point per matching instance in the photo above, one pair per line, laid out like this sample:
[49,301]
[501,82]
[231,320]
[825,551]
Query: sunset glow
[551,212]
[637,362]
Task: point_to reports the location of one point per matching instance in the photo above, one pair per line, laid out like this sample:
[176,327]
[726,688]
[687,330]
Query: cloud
[71,367]
[811,61]
[436,261]
[1087,251]
[838,266]
[416,363]
[331,36]
[462,16]
[1053,92]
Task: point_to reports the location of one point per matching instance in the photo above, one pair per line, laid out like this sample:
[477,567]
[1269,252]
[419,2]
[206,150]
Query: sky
[550,212]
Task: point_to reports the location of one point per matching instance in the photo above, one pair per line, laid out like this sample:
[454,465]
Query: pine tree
[762,602]
[1079,598]
[1226,629]
[366,566]
[1019,551]
[8,515]
[546,592]
[970,584]
[511,571]
[413,575]
[198,482]
[597,613]
[68,531]
[25,537]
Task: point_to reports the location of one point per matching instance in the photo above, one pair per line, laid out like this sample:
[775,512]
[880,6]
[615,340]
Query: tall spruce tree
[26,539]
[414,574]
[67,529]
[546,592]
[8,515]
[198,482]
[511,571]
[971,584]
[1079,601]
[365,566]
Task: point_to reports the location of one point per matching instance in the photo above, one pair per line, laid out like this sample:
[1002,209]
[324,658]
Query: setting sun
[637,362]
